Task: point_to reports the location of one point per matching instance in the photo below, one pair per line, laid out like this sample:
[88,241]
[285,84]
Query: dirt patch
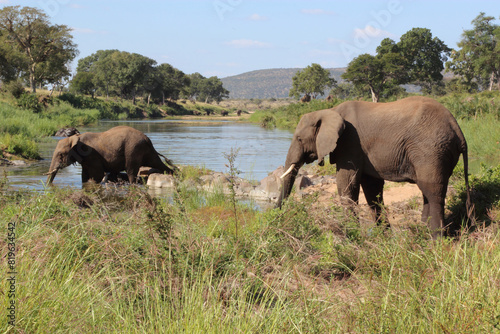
[403,201]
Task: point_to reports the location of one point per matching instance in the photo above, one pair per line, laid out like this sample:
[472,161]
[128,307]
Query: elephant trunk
[54,168]
[51,176]
[288,180]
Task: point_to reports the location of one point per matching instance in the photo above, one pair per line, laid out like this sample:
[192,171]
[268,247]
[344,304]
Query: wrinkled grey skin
[120,148]
[414,140]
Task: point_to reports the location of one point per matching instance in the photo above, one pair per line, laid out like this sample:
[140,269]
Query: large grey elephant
[120,148]
[414,140]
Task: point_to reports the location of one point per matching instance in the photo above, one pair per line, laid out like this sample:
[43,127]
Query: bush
[29,102]
[15,88]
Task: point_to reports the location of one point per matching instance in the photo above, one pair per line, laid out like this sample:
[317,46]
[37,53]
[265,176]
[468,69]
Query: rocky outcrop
[266,190]
[66,132]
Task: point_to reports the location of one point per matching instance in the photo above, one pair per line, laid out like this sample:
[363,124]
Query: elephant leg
[132,170]
[94,173]
[97,174]
[433,212]
[348,183]
[85,175]
[373,189]
[426,210]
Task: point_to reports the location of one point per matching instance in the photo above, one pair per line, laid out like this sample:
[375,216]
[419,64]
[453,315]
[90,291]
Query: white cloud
[257,17]
[317,12]
[247,43]
[371,31]
[334,40]
[4,1]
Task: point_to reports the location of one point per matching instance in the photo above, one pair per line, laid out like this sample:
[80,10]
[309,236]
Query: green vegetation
[417,58]
[477,63]
[130,75]
[21,129]
[30,118]
[311,82]
[33,48]
[101,262]
[288,116]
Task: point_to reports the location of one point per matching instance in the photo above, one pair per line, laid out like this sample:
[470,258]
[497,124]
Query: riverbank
[29,119]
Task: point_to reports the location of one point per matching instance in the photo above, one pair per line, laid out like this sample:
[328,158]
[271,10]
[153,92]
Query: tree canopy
[33,47]
[311,81]
[477,61]
[128,75]
[417,58]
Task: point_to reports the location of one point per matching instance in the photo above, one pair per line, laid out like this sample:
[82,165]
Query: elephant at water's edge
[120,148]
[414,140]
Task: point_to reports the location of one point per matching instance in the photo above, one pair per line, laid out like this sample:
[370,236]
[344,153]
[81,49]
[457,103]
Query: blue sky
[228,37]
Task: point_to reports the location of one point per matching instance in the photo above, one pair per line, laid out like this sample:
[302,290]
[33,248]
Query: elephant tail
[468,202]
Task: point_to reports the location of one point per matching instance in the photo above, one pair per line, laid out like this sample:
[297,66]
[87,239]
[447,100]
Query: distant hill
[265,84]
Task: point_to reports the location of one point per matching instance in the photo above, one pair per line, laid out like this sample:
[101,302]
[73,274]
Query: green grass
[21,130]
[96,261]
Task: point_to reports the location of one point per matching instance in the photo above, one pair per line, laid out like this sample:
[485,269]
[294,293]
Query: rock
[146,171]
[66,132]
[271,184]
[302,181]
[19,163]
[157,180]
[5,162]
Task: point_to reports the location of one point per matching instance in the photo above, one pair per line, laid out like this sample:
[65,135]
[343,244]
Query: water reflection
[198,143]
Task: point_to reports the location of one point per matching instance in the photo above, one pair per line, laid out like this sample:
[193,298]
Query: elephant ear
[331,125]
[74,151]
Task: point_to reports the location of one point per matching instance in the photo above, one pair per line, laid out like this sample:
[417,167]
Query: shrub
[29,102]
[15,88]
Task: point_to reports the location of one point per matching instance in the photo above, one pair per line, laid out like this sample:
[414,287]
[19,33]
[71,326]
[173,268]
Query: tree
[417,58]
[207,89]
[213,90]
[311,81]
[132,71]
[478,58]
[101,66]
[43,45]
[83,82]
[424,57]
[367,71]
[170,82]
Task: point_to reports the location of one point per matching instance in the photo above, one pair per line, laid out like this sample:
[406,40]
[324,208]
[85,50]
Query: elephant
[415,140]
[120,148]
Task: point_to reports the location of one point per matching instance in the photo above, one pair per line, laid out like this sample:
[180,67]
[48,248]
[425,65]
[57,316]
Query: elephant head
[68,151]
[315,137]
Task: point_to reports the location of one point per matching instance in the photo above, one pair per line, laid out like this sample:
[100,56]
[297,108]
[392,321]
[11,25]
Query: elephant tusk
[51,172]
[288,171]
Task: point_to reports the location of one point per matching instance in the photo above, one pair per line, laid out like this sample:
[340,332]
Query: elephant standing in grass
[414,140]
[120,148]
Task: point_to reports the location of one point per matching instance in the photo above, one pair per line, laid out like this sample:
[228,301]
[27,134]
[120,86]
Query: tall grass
[96,261]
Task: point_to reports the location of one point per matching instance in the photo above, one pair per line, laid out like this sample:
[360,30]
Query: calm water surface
[196,143]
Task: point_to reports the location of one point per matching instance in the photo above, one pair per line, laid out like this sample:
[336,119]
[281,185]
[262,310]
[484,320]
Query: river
[201,143]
